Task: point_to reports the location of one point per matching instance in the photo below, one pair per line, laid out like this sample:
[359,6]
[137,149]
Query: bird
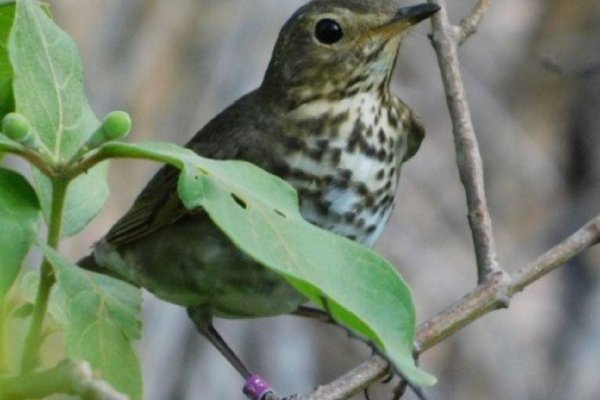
[323,119]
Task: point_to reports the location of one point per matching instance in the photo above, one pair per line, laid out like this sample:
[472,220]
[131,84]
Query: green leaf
[7,101]
[101,324]
[19,217]
[49,92]
[361,290]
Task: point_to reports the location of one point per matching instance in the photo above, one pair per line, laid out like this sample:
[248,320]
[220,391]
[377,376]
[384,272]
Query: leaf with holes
[101,324]
[259,213]
[48,90]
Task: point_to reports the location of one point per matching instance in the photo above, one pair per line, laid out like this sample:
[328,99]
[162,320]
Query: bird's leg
[203,321]
[255,387]
[217,340]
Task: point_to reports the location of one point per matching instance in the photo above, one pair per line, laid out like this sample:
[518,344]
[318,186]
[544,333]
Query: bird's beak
[414,14]
[405,18]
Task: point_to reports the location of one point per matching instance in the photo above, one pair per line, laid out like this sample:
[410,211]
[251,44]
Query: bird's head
[329,47]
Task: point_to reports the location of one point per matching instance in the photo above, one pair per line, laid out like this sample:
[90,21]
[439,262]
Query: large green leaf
[49,91]
[19,217]
[101,324]
[259,213]
[7,101]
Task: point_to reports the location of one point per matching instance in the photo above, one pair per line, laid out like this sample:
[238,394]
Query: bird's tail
[89,264]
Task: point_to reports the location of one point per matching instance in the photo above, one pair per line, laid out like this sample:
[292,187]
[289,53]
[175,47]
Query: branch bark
[445,39]
[353,382]
[469,24]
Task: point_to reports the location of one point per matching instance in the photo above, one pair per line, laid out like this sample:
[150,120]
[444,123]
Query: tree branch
[67,377]
[445,39]
[496,293]
[584,238]
[470,23]
[493,294]
[353,382]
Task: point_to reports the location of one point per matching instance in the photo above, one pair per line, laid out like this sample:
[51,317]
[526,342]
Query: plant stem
[33,339]
[67,377]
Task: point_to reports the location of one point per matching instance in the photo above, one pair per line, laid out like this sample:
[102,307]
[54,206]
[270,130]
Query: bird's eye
[328,31]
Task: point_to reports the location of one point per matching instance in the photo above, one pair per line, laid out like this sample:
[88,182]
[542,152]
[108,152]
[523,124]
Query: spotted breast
[347,165]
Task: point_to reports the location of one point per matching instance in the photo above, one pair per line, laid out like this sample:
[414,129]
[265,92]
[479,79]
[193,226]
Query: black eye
[328,31]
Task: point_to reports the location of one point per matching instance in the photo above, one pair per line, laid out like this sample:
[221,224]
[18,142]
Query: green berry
[116,125]
[16,127]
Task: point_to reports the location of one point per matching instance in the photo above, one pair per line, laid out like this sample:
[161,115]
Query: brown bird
[324,120]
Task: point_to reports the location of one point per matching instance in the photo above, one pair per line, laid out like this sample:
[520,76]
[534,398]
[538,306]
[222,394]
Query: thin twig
[490,295]
[444,39]
[470,23]
[584,238]
[67,377]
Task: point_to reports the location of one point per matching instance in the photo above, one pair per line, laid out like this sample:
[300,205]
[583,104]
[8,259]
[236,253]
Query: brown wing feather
[158,205]
[416,134]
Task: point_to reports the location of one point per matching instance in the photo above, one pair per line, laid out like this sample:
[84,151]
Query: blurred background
[532,74]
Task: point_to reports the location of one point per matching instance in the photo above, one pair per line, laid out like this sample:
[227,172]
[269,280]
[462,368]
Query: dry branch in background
[496,287]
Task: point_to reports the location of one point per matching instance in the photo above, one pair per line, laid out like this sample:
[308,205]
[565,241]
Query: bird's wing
[158,205]
[415,135]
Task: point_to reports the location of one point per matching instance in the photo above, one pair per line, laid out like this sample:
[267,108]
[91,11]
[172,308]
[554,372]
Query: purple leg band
[256,387]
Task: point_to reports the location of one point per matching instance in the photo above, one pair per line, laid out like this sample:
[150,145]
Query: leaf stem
[41,161]
[67,377]
[33,339]
[77,167]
